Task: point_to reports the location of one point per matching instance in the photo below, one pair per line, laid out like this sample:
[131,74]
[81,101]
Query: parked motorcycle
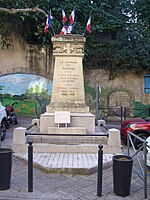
[11,115]
[3,123]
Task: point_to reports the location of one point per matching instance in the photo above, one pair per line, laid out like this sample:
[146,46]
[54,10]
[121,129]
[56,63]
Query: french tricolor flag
[66,29]
[64,16]
[72,16]
[48,24]
[88,26]
[63,31]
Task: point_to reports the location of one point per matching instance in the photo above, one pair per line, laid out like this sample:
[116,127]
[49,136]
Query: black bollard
[0,136]
[100,170]
[30,167]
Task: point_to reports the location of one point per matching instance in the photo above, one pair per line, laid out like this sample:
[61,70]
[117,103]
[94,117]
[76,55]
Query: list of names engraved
[69,79]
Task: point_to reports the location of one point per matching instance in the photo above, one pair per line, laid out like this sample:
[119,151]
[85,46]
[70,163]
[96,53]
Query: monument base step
[60,139]
[66,130]
[53,148]
[65,106]
[86,120]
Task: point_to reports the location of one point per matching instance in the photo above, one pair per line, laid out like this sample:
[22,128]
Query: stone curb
[68,170]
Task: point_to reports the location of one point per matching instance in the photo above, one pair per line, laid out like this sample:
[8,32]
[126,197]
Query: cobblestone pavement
[65,186]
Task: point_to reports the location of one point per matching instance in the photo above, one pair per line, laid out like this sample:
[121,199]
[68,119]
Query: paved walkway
[67,163]
[75,163]
[63,186]
[52,186]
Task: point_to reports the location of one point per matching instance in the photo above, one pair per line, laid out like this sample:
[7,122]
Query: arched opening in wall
[119,98]
[31,92]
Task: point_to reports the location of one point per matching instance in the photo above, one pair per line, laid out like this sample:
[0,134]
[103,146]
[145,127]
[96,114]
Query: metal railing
[67,134]
[142,172]
[56,134]
[111,113]
[120,113]
[139,112]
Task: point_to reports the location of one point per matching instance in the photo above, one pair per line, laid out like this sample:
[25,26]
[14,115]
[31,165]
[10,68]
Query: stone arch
[21,70]
[11,82]
[120,97]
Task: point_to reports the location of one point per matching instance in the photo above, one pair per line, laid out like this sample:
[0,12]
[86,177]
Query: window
[147,83]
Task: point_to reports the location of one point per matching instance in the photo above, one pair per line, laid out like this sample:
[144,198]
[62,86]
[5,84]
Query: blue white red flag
[48,24]
[69,29]
[72,16]
[66,29]
[63,31]
[64,16]
[88,26]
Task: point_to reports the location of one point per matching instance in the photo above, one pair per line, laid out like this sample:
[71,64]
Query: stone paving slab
[67,163]
[52,186]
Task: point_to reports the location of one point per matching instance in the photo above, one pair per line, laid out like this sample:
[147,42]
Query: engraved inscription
[68,77]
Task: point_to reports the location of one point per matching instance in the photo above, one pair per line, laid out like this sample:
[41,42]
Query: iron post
[0,136]
[121,113]
[30,167]
[100,170]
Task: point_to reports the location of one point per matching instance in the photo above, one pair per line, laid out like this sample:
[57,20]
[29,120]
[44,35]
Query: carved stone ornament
[60,48]
[76,49]
[68,48]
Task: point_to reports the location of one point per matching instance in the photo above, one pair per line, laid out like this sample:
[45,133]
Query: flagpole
[53,30]
[86,24]
[84,31]
[51,22]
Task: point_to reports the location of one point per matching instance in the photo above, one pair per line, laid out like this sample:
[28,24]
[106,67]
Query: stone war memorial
[68,97]
[67,126]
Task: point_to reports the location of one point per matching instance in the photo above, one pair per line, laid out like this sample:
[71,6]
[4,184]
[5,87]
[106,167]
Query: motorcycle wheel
[16,121]
[3,130]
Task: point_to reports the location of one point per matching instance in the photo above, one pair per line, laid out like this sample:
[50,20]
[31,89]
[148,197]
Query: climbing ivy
[119,41]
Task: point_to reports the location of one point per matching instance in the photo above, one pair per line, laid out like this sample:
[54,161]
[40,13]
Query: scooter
[11,115]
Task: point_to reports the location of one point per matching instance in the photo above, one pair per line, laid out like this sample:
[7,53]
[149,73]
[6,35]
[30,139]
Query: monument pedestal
[68,85]
[74,107]
[86,120]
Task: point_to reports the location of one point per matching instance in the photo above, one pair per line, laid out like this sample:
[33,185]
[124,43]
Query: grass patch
[24,107]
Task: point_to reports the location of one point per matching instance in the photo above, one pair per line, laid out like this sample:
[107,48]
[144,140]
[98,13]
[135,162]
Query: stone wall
[123,90]
[14,56]
[22,57]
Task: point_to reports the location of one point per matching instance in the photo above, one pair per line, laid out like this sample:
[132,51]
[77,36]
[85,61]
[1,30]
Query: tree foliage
[120,39]
[40,95]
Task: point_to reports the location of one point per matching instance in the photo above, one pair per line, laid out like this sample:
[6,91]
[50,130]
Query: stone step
[66,130]
[74,139]
[53,148]
[74,143]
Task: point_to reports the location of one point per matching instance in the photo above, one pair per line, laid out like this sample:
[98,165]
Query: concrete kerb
[52,168]
[80,171]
